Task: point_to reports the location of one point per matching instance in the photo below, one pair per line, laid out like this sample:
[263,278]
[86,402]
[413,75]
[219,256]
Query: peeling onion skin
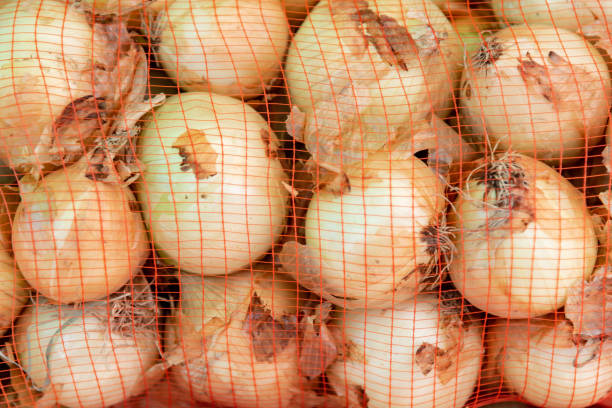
[76,239]
[223,46]
[112,7]
[385,350]
[235,211]
[87,364]
[540,91]
[370,240]
[344,84]
[567,14]
[227,371]
[536,360]
[521,263]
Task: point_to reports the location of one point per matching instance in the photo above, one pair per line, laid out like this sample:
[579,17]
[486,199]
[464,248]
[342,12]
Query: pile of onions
[63,83]
[92,355]
[213,193]
[223,46]
[542,91]
[524,237]
[359,72]
[233,340]
[78,233]
[418,353]
[564,14]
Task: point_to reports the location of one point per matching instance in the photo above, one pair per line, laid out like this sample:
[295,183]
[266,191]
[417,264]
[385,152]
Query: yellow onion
[63,80]
[359,72]
[213,192]
[233,340]
[91,355]
[78,236]
[224,46]
[524,237]
[540,91]
[416,354]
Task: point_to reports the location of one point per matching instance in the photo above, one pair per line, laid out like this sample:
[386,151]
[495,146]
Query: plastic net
[292,203]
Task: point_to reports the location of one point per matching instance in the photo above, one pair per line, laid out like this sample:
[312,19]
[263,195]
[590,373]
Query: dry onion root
[92,355]
[78,234]
[360,73]
[233,341]
[417,354]
[213,194]
[222,46]
[524,238]
[64,84]
[540,91]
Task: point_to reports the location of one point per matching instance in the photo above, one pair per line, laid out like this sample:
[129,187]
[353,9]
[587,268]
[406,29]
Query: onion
[542,91]
[566,14]
[64,82]
[213,192]
[78,234]
[543,362]
[110,7]
[359,73]
[224,46]
[417,354]
[524,238]
[233,340]
[93,355]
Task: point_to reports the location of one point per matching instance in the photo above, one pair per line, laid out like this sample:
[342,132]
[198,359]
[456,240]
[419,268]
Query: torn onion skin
[538,90]
[112,7]
[233,340]
[94,355]
[363,71]
[223,46]
[524,238]
[212,191]
[545,364]
[63,84]
[417,354]
[76,238]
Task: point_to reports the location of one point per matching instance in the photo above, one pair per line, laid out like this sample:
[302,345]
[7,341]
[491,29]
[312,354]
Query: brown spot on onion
[198,155]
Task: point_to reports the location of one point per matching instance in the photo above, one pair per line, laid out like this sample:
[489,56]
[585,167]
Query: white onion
[235,339]
[228,47]
[61,80]
[542,91]
[418,354]
[568,14]
[524,237]
[539,360]
[213,192]
[361,85]
[93,355]
[77,238]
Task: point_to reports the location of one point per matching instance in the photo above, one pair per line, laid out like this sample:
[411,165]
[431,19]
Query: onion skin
[387,350]
[87,363]
[372,241]
[521,263]
[231,210]
[540,91]
[211,330]
[536,360]
[113,7]
[244,43]
[76,239]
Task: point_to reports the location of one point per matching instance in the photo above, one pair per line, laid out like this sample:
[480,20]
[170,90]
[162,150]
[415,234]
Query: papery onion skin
[536,360]
[213,317]
[374,241]
[113,7]
[345,85]
[78,359]
[519,260]
[235,211]
[383,354]
[538,90]
[76,239]
[222,46]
